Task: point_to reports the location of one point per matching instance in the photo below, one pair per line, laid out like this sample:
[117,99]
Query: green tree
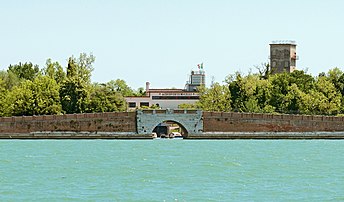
[336,76]
[55,71]
[45,91]
[329,101]
[251,93]
[140,92]
[281,86]
[291,101]
[20,100]
[84,66]
[3,93]
[9,79]
[38,97]
[215,98]
[235,85]
[121,86]
[305,82]
[75,89]
[282,97]
[264,95]
[26,71]
[104,98]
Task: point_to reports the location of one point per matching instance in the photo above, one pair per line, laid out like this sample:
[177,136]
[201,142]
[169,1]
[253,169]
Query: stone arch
[147,120]
[186,130]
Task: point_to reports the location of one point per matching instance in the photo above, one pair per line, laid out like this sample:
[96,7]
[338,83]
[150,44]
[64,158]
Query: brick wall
[97,122]
[248,122]
[212,122]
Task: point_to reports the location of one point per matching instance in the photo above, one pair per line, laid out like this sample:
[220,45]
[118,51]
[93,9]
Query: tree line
[28,90]
[288,93]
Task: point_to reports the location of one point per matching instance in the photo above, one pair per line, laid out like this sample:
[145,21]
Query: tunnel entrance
[169,129]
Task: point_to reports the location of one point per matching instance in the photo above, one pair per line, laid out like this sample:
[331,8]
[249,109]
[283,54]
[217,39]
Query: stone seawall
[249,122]
[207,125]
[268,135]
[97,125]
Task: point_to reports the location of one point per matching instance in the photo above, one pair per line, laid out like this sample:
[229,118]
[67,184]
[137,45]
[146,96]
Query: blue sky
[161,41]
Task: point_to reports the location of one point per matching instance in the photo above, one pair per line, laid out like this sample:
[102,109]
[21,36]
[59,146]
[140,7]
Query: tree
[140,92]
[45,91]
[280,88]
[104,98]
[121,86]
[334,76]
[291,101]
[75,89]
[264,70]
[38,97]
[20,100]
[330,98]
[237,94]
[215,98]
[26,71]
[54,70]
[264,95]
[305,82]
[3,93]
[9,79]
[287,89]
[84,66]
[74,96]
[251,93]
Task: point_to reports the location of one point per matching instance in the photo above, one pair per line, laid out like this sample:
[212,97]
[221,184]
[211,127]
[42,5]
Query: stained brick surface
[102,122]
[246,122]
[210,122]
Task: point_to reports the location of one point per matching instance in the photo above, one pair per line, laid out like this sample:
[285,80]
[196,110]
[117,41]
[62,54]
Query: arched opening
[169,129]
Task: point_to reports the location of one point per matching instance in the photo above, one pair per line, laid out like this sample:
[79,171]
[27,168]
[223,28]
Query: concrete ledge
[205,135]
[74,135]
[267,135]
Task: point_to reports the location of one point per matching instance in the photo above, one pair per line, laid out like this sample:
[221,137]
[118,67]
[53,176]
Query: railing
[284,42]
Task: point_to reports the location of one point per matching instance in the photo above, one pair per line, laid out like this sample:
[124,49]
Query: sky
[161,41]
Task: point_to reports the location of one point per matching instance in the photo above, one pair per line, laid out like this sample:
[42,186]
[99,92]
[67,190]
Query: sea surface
[171,170]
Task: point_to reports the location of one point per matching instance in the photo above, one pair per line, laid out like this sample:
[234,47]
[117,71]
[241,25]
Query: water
[171,170]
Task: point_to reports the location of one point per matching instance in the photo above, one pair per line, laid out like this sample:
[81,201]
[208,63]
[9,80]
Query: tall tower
[197,78]
[283,56]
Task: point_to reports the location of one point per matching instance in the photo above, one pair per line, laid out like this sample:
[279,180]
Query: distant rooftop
[284,42]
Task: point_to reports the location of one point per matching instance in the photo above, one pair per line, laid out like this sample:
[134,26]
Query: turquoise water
[171,170]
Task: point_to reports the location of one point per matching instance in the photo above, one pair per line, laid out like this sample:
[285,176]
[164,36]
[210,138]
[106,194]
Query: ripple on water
[208,170]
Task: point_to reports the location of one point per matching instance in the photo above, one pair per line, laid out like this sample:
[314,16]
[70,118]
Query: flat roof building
[170,98]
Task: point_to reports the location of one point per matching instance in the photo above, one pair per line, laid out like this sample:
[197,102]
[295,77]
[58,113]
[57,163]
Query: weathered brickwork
[97,122]
[138,125]
[249,122]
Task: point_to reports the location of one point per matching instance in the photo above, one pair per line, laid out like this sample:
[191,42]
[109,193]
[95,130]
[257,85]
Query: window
[132,104]
[144,104]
